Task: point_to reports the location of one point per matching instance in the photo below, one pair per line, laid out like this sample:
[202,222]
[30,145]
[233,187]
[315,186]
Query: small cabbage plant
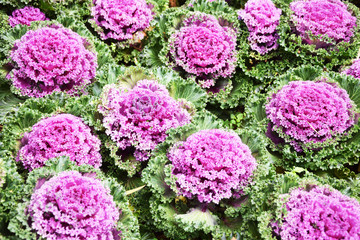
[66,201]
[59,135]
[261,18]
[320,212]
[200,42]
[26,15]
[307,113]
[139,110]
[311,118]
[73,206]
[51,59]
[140,117]
[198,179]
[125,24]
[353,69]
[260,54]
[298,204]
[204,48]
[211,165]
[122,20]
[321,32]
[316,18]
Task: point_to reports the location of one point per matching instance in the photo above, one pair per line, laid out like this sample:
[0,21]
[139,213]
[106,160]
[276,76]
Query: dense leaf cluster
[187,119]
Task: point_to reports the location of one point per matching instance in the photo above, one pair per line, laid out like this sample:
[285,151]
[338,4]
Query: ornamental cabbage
[262,18]
[354,69]
[320,213]
[60,135]
[322,17]
[26,15]
[211,165]
[73,206]
[51,59]
[141,116]
[307,112]
[122,19]
[204,48]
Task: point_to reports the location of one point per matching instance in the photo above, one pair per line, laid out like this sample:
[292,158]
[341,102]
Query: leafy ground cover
[197,119]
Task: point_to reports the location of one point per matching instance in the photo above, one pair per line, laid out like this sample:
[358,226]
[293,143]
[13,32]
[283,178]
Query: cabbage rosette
[301,205]
[31,71]
[260,55]
[62,200]
[310,118]
[353,69]
[51,59]
[200,42]
[54,126]
[26,15]
[140,108]
[198,178]
[321,32]
[125,24]
[59,135]
[74,8]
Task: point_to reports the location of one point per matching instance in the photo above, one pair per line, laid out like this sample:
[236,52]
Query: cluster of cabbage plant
[187,119]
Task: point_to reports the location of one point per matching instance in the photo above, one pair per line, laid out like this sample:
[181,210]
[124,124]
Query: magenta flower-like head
[73,206]
[60,135]
[122,19]
[51,59]
[322,17]
[211,165]
[26,15]
[261,17]
[140,117]
[204,48]
[354,69]
[307,112]
[320,213]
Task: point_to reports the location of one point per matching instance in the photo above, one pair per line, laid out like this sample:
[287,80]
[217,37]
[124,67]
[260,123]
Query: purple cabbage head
[310,112]
[262,18]
[321,214]
[140,117]
[60,135]
[204,48]
[122,19]
[211,165]
[26,15]
[354,69]
[51,59]
[322,17]
[73,206]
